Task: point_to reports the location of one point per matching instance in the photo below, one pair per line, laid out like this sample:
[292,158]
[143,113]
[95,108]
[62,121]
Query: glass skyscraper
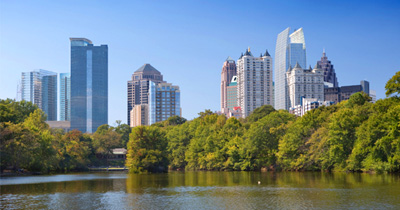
[65,97]
[40,87]
[89,85]
[164,101]
[290,49]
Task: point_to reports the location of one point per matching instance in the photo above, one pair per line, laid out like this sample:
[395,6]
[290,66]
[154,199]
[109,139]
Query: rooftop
[147,68]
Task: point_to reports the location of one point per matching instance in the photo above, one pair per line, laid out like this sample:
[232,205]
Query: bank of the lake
[202,190]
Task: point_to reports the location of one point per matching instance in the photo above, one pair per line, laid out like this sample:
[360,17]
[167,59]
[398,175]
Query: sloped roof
[147,68]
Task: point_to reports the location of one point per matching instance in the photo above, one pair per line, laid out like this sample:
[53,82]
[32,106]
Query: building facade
[65,97]
[305,83]
[89,85]
[338,94]
[138,86]
[254,83]
[231,94]
[164,102]
[290,49]
[40,88]
[329,70]
[307,105]
[139,115]
[228,72]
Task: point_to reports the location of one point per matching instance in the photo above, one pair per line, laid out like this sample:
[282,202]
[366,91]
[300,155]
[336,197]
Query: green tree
[104,140]
[393,85]
[259,113]
[147,150]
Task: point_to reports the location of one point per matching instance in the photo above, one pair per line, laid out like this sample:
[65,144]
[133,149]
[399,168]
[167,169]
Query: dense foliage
[354,135]
[27,142]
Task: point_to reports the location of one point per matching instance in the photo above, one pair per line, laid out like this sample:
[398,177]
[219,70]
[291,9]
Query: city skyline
[355,42]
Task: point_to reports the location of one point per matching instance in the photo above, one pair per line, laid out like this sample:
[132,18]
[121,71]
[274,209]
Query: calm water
[202,190]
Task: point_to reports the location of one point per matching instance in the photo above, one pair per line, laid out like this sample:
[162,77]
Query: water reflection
[205,190]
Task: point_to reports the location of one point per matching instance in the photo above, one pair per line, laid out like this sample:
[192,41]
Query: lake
[202,190]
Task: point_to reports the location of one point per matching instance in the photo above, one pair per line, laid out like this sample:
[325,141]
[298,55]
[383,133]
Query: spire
[248,49]
[248,53]
[241,56]
[290,68]
[261,55]
[266,53]
[297,65]
[323,53]
[310,68]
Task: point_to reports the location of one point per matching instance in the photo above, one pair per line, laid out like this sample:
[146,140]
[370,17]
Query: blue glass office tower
[164,101]
[40,87]
[89,85]
[65,97]
[290,49]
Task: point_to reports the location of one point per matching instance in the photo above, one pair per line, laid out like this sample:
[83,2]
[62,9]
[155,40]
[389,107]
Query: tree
[147,150]
[105,139]
[393,85]
[259,113]
[15,111]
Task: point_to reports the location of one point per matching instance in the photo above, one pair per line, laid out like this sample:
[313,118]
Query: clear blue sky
[188,41]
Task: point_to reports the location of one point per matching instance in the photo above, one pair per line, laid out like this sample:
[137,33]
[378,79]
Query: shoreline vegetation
[352,136]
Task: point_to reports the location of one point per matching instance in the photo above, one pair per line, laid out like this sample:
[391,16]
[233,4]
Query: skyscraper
[290,49]
[40,87]
[329,71]
[89,85]
[228,71]
[164,101]
[254,84]
[65,97]
[138,86]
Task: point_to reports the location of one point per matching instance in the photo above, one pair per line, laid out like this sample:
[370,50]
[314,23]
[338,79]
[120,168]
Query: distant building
[138,86]
[338,94]
[307,105]
[305,83]
[40,88]
[231,94]
[65,125]
[164,102]
[139,115]
[372,94]
[254,83]
[329,71]
[290,49]
[89,85]
[65,97]
[228,72]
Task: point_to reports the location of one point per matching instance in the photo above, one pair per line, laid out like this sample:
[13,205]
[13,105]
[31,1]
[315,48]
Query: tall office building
[65,97]
[254,84]
[138,86]
[40,87]
[89,85]
[305,84]
[228,71]
[329,71]
[290,49]
[164,101]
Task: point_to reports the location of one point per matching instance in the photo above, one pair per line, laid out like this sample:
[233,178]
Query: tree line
[27,142]
[354,135]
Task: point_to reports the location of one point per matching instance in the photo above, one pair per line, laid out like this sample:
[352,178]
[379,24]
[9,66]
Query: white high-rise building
[290,49]
[305,83]
[254,82]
